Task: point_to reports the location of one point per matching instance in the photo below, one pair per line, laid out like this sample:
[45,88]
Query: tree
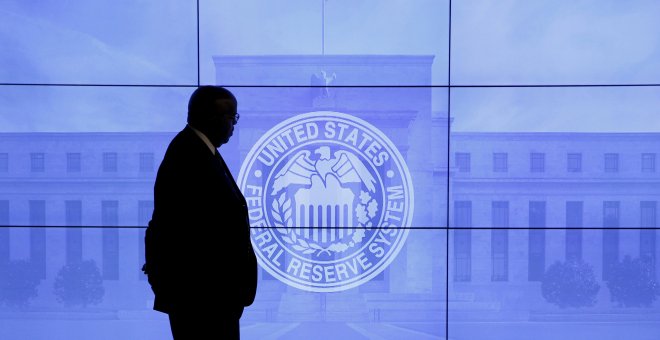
[18,283]
[633,283]
[79,283]
[570,284]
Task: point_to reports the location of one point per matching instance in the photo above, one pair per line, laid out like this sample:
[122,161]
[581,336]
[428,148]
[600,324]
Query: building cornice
[328,59]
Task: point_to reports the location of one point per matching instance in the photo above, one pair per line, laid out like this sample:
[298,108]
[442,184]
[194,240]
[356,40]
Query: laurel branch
[281,209]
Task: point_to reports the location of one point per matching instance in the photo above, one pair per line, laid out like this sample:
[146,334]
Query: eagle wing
[297,170]
[316,80]
[349,168]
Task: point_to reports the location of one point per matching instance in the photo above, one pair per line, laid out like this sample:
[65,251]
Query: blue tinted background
[509,180]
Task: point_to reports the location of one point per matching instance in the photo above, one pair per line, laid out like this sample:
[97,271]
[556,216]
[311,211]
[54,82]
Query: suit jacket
[197,244]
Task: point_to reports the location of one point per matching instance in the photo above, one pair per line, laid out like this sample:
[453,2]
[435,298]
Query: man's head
[212,110]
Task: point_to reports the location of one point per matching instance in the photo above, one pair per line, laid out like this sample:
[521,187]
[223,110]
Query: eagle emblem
[329,198]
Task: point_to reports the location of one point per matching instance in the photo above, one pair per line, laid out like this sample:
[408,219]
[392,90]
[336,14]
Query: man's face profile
[221,122]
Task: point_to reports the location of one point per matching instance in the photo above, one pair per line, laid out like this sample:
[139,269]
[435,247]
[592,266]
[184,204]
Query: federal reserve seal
[330,201]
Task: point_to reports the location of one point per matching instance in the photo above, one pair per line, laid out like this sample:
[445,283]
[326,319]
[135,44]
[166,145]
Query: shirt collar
[204,139]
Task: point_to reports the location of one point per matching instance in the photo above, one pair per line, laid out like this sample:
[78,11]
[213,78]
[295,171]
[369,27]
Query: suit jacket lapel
[232,182]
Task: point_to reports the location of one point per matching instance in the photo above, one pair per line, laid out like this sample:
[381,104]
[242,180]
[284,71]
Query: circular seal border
[406,180]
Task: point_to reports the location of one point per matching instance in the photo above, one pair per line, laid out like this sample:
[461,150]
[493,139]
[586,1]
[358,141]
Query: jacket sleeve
[154,259]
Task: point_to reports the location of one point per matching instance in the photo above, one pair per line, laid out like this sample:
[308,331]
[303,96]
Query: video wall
[422,169]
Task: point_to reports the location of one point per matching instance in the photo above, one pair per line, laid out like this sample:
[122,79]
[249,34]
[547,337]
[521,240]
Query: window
[610,214]
[145,209]
[500,162]
[109,162]
[146,162]
[4,232]
[648,214]
[463,241]
[110,219]
[4,162]
[537,214]
[574,162]
[73,162]
[648,162]
[536,241]
[37,162]
[73,219]
[500,241]
[611,162]
[37,211]
[574,213]
[500,214]
[537,162]
[463,161]
[499,254]
[610,237]
[110,213]
[647,236]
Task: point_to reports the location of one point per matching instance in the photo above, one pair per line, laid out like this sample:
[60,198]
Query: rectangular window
[610,237]
[499,254]
[110,243]
[145,209]
[574,162]
[109,162]
[648,162]
[4,232]
[537,162]
[574,213]
[146,162]
[73,219]
[73,162]
[648,218]
[4,162]
[500,241]
[536,241]
[611,214]
[463,214]
[37,211]
[37,162]
[647,235]
[463,161]
[500,162]
[537,214]
[463,241]
[611,162]
[500,214]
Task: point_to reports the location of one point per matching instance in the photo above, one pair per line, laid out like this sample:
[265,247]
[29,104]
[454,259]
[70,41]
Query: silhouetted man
[199,260]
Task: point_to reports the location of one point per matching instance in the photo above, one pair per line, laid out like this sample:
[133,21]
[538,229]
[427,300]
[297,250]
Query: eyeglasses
[234,117]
